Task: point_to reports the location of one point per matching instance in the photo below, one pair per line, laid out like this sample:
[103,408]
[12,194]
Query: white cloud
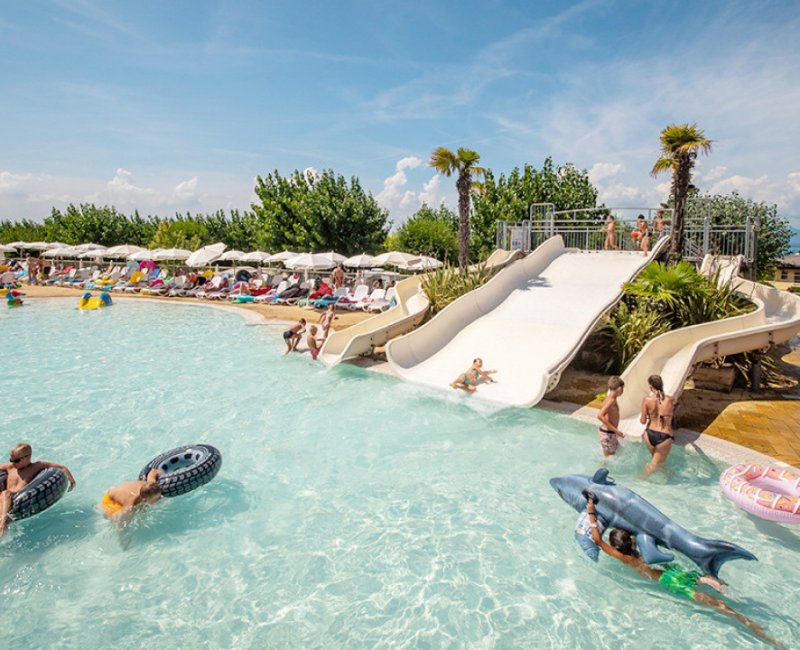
[430,191]
[186,189]
[10,182]
[794,181]
[601,170]
[121,187]
[392,191]
[409,162]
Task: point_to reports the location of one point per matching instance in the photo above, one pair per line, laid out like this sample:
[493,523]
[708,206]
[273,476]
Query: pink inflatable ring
[764,491]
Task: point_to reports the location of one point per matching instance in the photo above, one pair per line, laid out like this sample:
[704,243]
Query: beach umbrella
[336,258]
[231,256]
[362,261]
[310,261]
[122,251]
[396,258]
[206,255]
[282,256]
[63,251]
[93,253]
[89,247]
[257,256]
[171,254]
[140,256]
[423,264]
[19,245]
[5,248]
[39,246]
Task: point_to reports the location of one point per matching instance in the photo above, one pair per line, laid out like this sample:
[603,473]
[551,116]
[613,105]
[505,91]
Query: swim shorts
[679,581]
[110,507]
[609,440]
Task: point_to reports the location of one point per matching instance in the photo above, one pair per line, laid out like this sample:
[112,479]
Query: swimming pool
[352,509]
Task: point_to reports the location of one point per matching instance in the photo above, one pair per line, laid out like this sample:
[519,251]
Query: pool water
[352,509]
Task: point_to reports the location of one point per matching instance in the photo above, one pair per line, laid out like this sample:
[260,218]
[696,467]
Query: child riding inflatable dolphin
[619,507]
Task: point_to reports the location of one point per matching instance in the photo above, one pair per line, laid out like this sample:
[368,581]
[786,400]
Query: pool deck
[280,314]
[740,426]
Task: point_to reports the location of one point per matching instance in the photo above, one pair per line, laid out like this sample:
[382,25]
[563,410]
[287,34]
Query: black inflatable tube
[197,465]
[47,487]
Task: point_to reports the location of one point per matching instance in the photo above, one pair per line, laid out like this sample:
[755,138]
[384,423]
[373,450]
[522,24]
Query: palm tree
[680,144]
[464,163]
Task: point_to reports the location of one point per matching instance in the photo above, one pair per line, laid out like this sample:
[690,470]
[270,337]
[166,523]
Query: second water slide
[527,322]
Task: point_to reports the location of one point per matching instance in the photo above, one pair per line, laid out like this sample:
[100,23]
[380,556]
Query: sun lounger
[382,304]
[360,293]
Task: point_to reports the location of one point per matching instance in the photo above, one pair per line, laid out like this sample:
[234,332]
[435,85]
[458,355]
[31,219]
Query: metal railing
[587,229]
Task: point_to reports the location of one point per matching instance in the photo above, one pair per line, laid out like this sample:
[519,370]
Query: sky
[178,106]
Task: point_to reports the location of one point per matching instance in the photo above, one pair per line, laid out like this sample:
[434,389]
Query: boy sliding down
[21,471]
[609,434]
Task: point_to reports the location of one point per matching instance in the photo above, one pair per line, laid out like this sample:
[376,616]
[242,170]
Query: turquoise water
[352,510]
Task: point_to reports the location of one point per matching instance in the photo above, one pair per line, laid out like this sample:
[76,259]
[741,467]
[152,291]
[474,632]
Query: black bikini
[655,438]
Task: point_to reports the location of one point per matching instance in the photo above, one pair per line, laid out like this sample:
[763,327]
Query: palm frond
[444,161]
[663,164]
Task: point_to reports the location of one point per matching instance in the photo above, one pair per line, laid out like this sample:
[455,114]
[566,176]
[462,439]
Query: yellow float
[88,301]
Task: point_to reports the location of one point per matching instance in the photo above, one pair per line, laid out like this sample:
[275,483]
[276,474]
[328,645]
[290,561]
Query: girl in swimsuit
[657,411]
[469,380]
[675,578]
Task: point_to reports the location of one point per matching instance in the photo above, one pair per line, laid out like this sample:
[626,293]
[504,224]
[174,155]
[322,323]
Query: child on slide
[468,381]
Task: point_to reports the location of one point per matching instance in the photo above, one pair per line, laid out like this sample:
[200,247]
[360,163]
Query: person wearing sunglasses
[21,470]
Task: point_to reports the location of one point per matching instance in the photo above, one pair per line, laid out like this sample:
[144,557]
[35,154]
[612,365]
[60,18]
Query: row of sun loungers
[275,290]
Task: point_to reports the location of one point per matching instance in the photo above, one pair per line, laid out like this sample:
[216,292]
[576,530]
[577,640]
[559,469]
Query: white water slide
[412,304]
[674,355]
[527,322]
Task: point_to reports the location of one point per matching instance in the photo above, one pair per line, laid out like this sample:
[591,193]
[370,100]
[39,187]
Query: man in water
[609,433]
[123,500]
[21,471]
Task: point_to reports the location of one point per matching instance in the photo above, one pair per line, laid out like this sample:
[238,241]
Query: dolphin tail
[713,553]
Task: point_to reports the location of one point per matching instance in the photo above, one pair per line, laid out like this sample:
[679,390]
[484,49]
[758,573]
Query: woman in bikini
[657,412]
[621,545]
[469,380]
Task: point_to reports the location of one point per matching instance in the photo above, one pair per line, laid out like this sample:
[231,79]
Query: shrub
[445,284]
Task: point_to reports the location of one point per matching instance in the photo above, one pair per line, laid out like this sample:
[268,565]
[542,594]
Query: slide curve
[527,322]
[675,354]
[412,304]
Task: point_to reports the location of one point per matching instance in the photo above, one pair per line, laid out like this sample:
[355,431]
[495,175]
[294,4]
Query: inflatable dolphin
[618,507]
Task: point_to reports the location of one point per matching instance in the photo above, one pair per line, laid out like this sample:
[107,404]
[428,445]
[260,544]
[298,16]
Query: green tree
[680,145]
[430,232]
[100,225]
[317,213]
[181,232]
[24,230]
[510,197]
[774,232]
[463,163]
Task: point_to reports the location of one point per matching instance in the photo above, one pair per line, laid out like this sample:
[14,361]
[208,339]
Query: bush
[662,298]
[445,284]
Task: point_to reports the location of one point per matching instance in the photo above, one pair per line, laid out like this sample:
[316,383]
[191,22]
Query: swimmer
[609,433]
[21,471]
[293,335]
[123,500]
[677,580]
[311,340]
[469,380]
[657,412]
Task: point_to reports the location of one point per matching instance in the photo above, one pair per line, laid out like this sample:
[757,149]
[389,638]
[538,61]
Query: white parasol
[122,251]
[257,256]
[171,254]
[396,258]
[311,261]
[206,255]
[231,256]
[282,256]
[63,251]
[140,256]
[362,261]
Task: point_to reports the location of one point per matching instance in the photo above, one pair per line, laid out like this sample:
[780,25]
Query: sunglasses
[17,460]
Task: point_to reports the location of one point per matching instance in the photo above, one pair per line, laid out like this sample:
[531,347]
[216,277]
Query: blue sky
[177,106]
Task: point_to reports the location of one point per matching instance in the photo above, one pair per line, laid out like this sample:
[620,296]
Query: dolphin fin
[650,551]
[711,554]
[601,477]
